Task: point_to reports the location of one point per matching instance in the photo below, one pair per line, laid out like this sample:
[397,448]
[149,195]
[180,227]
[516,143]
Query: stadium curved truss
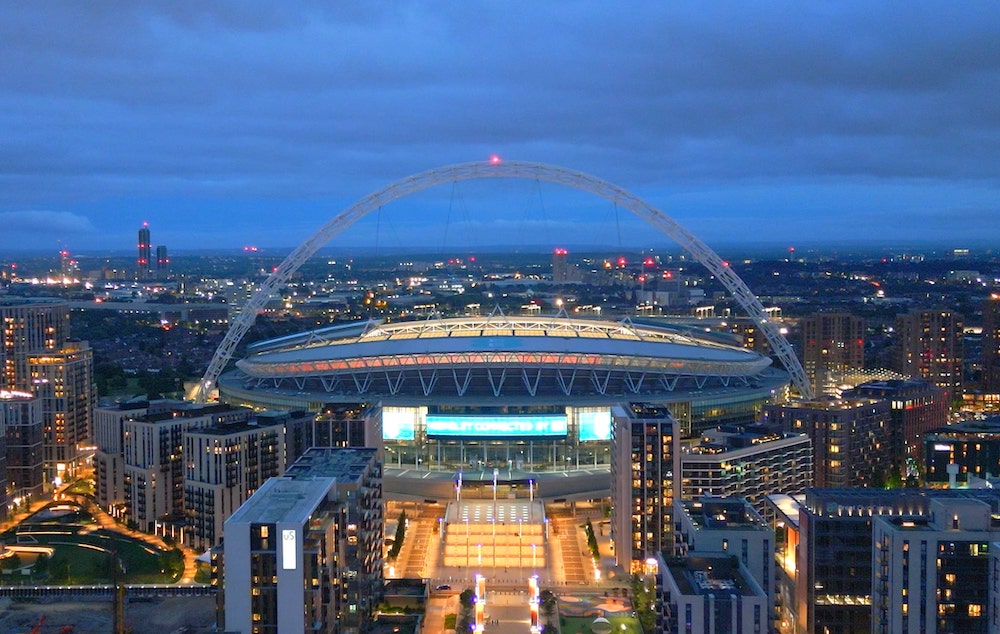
[504,169]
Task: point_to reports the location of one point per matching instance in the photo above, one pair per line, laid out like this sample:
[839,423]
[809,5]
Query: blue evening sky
[225,124]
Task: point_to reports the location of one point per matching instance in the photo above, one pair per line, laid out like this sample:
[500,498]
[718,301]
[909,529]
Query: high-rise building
[749,462]
[832,344]
[28,327]
[304,553]
[63,380]
[644,444]
[991,344]
[22,425]
[932,570]
[850,438]
[144,263]
[560,268]
[929,345]
[162,263]
[915,407]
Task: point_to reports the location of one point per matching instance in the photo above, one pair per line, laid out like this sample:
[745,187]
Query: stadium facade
[531,394]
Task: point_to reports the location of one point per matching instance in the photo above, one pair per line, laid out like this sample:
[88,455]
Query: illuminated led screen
[398,423]
[595,425]
[496,426]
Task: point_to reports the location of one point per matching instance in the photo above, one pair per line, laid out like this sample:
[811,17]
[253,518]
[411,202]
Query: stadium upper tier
[501,356]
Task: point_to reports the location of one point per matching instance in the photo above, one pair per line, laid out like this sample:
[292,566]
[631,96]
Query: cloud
[209,106]
[32,225]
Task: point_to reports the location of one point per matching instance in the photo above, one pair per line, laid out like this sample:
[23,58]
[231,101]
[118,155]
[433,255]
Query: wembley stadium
[525,396]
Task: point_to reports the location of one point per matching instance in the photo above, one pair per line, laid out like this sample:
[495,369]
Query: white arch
[506,169]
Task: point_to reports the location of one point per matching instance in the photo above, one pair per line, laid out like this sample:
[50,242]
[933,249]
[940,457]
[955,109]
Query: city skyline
[223,126]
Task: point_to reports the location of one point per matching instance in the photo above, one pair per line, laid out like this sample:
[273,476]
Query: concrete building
[109,439]
[304,553]
[21,422]
[832,344]
[932,570]
[929,345]
[224,465]
[749,461]
[721,527]
[644,444]
[154,466]
[991,344]
[850,438]
[709,595]
[915,407]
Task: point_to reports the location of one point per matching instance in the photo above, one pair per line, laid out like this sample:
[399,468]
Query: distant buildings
[929,345]
[750,461]
[146,266]
[304,553]
[832,344]
[850,438]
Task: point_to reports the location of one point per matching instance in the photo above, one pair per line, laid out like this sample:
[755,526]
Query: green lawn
[581,625]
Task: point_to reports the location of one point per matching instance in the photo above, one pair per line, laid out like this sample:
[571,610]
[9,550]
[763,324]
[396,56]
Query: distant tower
[560,270]
[143,263]
[162,263]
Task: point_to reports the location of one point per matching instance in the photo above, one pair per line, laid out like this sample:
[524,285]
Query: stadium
[519,399]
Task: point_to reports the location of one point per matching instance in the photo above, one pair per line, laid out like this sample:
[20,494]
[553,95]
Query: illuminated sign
[940,447]
[288,549]
[595,425]
[496,426]
[398,423]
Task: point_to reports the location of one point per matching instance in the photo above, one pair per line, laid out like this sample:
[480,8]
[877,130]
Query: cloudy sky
[225,124]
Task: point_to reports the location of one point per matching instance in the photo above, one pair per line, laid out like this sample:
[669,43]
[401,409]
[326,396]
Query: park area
[63,544]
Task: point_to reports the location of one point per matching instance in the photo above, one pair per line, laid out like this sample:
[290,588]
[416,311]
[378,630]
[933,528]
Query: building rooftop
[715,513]
[985,427]
[342,463]
[710,576]
[283,500]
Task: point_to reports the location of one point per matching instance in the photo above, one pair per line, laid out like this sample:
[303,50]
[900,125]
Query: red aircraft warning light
[495,159]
